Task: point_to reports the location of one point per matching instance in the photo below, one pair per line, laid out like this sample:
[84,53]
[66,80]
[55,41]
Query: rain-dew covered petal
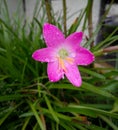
[73,74]
[54,73]
[52,35]
[44,55]
[74,39]
[84,56]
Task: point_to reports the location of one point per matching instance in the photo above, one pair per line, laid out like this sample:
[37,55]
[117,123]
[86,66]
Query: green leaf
[97,90]
[10,110]
[115,107]
[109,122]
[67,86]
[88,111]
[8,113]
[78,109]
[36,115]
[92,73]
[26,123]
[11,97]
[52,112]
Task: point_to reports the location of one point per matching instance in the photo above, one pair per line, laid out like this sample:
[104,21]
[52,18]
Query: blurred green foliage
[29,101]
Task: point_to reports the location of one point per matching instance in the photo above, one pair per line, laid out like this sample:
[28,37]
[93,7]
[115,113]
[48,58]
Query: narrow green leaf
[52,112]
[77,22]
[11,97]
[26,123]
[61,116]
[78,109]
[93,73]
[10,110]
[94,127]
[88,111]
[36,127]
[67,126]
[115,107]
[97,90]
[3,77]
[94,110]
[6,115]
[64,86]
[27,114]
[113,126]
[36,115]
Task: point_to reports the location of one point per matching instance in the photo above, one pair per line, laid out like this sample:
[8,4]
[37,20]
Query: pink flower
[63,55]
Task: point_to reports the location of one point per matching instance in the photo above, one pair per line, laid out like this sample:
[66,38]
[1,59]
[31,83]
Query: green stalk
[64,17]
[90,24]
[99,25]
[88,17]
[48,11]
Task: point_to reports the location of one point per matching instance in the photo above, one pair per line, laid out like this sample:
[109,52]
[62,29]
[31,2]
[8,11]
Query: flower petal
[52,35]
[44,55]
[54,74]
[73,74]
[83,56]
[74,39]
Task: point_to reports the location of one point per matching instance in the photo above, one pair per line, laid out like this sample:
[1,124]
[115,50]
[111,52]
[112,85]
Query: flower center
[63,53]
[63,57]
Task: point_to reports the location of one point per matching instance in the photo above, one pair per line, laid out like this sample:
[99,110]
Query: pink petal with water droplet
[83,56]
[54,74]
[52,35]
[74,39]
[44,55]
[73,74]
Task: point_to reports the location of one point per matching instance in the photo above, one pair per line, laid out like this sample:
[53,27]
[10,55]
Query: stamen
[70,60]
[63,56]
[62,65]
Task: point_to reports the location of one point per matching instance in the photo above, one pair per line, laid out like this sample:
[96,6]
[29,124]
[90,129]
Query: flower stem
[64,17]
[90,24]
[48,10]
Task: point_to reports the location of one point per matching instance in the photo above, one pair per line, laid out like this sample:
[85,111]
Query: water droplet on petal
[52,80]
[47,59]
